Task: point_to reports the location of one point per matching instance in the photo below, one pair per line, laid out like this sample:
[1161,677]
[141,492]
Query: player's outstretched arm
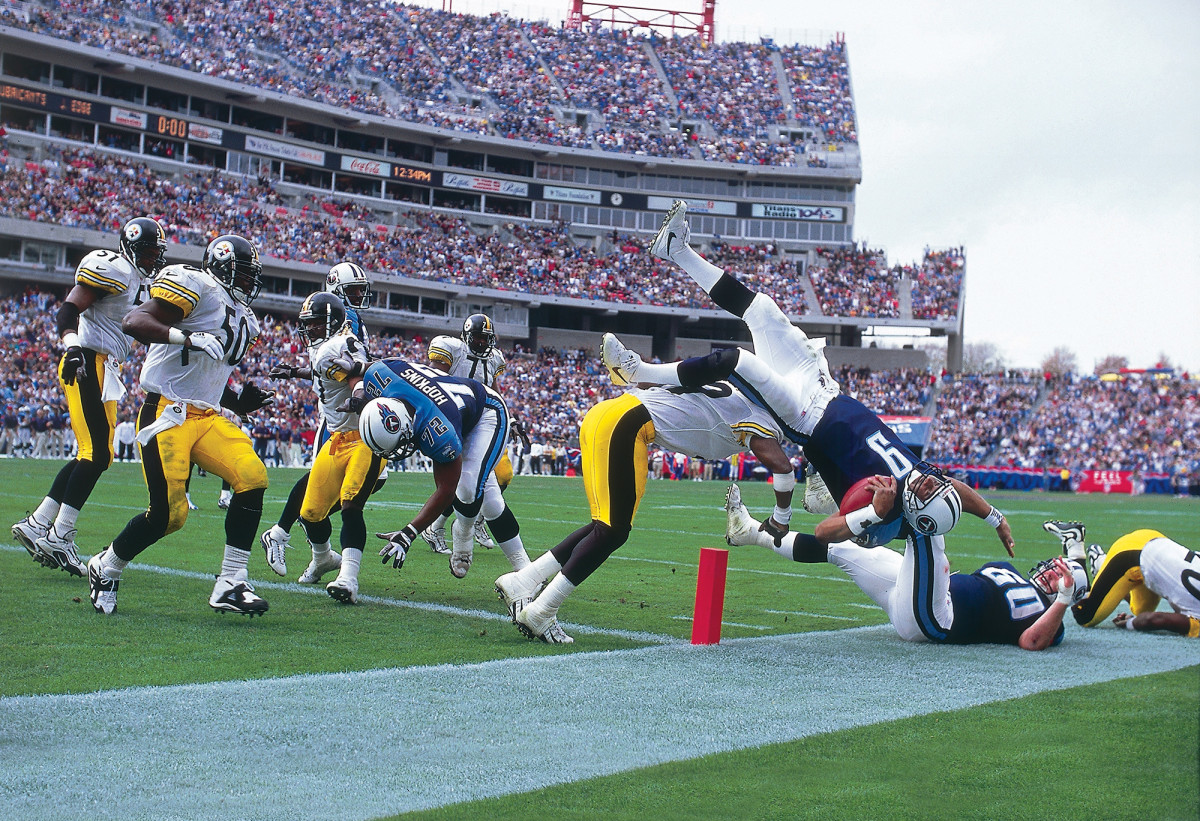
[1173,622]
[979,506]
[1041,634]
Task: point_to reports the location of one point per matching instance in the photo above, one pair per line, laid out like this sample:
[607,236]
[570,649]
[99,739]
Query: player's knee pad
[731,295]
[504,526]
[468,510]
[704,370]
[249,473]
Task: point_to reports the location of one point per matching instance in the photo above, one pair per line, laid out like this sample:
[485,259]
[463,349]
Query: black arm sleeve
[67,318]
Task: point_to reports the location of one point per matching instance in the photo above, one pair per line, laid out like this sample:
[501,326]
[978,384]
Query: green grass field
[1123,748]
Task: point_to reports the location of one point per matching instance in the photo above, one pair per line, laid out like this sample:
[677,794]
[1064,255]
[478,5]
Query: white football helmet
[930,503]
[1047,582]
[386,425]
[350,284]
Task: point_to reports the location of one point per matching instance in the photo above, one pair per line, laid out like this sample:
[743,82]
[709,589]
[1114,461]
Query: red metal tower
[662,20]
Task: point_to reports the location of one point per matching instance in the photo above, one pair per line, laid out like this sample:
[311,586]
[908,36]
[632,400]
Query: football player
[923,600]
[107,286]
[344,470]
[349,283]
[788,376]
[199,325]
[462,426]
[614,438]
[1143,567]
[473,355]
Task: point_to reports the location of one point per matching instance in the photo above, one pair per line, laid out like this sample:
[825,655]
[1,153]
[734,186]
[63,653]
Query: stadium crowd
[1143,425]
[491,74]
[94,189]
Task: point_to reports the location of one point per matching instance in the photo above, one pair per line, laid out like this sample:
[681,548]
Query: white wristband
[176,337]
[784,482]
[71,340]
[994,517]
[1129,623]
[783,515]
[1066,597]
[859,520]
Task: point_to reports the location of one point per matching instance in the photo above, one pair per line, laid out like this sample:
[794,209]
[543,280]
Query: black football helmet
[321,316]
[479,335]
[234,262]
[144,243]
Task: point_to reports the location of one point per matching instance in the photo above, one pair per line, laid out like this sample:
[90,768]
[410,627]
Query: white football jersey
[712,423]
[1172,571]
[330,381]
[188,375]
[454,352]
[123,287]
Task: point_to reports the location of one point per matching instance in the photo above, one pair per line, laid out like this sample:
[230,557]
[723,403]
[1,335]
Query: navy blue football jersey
[994,605]
[445,408]
[851,443]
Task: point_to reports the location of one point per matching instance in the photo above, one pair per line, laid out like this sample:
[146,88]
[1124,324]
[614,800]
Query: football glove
[350,367]
[354,404]
[777,533]
[74,365]
[518,430]
[206,342]
[251,398]
[283,372]
[398,542]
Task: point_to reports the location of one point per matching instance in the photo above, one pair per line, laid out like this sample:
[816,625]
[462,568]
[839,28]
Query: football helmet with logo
[1045,575]
[234,262]
[144,243]
[386,425]
[350,284]
[930,503]
[321,316]
[479,335]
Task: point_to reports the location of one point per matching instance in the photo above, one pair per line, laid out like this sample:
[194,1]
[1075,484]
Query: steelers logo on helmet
[144,243]
[233,261]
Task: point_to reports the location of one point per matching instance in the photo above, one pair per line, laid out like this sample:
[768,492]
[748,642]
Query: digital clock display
[169,126]
[405,172]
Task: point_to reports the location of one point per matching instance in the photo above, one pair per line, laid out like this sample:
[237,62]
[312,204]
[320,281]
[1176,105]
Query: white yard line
[367,744]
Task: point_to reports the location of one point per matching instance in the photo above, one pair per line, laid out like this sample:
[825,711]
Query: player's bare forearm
[1040,634]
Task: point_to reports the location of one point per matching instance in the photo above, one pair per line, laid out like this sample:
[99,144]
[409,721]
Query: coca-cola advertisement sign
[360,165]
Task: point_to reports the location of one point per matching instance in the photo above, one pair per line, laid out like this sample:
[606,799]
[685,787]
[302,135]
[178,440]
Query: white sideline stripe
[728,623]
[360,745]
[429,607]
[814,615]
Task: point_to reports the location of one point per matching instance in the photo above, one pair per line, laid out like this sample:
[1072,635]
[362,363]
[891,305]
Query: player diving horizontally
[712,422]
[845,441]
[462,426]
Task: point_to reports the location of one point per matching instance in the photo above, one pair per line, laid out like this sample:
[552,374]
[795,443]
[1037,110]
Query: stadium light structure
[662,20]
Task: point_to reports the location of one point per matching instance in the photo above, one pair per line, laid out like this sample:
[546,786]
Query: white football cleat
[191,505]
[460,563]
[344,588]
[481,534]
[621,362]
[27,532]
[235,594]
[674,233]
[58,550]
[541,627]
[1071,535]
[274,546]
[436,538]
[1095,559]
[740,527]
[516,594]
[101,587]
[319,567]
